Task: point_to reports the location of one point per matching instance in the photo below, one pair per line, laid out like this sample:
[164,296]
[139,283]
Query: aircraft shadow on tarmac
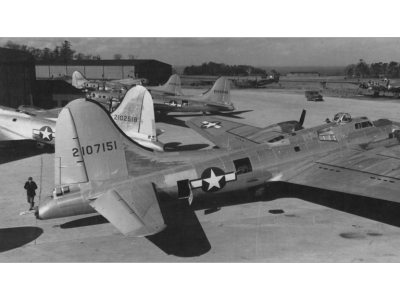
[373,209]
[175,146]
[89,221]
[184,235]
[15,150]
[15,237]
[369,208]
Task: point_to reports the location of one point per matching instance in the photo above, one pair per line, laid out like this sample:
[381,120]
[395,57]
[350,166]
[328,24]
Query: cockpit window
[366,124]
[342,118]
[274,140]
[58,191]
[65,189]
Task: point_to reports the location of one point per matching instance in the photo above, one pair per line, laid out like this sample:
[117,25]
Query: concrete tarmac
[279,229]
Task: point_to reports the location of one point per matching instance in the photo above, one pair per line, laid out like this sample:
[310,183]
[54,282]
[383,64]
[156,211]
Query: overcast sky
[249,51]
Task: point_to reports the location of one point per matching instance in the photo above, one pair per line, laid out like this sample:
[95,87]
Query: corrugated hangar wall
[17,78]
[157,72]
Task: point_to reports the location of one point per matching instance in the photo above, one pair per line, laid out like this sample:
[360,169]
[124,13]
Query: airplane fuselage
[20,126]
[187,104]
[243,172]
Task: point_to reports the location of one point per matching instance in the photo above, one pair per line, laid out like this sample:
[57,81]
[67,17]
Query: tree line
[60,53]
[376,70]
[215,69]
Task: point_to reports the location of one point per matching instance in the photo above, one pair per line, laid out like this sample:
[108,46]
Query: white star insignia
[213,181]
[46,133]
[207,124]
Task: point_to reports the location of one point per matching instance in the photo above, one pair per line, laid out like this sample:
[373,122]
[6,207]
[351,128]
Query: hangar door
[42,71]
[129,71]
[94,72]
[113,72]
[57,71]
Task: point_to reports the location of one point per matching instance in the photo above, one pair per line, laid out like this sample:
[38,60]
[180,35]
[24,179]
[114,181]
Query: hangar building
[17,78]
[155,71]
[303,74]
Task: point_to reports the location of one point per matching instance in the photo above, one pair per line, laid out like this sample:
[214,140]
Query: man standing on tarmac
[30,187]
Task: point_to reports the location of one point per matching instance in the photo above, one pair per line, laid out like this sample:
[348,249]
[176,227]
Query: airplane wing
[133,209]
[374,173]
[228,134]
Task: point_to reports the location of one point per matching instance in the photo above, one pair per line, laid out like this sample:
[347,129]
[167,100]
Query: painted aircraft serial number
[96,148]
[220,92]
[125,118]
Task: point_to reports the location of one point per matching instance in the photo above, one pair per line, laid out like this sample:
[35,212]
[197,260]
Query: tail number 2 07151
[96,148]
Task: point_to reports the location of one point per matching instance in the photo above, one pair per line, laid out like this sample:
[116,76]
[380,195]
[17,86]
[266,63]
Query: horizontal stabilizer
[134,212]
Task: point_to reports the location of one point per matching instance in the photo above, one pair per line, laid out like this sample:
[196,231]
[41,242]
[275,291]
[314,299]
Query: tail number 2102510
[96,148]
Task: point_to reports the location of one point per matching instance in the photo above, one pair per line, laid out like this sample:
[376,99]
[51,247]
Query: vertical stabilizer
[219,93]
[173,86]
[95,145]
[78,80]
[68,162]
[135,117]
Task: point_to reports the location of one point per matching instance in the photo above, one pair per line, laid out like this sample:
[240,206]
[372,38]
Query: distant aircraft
[231,135]
[95,167]
[17,125]
[113,97]
[169,98]
[80,82]
[374,86]
[395,90]
[171,88]
[256,83]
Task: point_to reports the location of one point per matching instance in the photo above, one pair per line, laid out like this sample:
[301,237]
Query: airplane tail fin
[135,116]
[219,93]
[90,147]
[173,85]
[78,80]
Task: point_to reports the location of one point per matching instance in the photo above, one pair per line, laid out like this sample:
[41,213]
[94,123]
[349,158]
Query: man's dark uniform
[30,187]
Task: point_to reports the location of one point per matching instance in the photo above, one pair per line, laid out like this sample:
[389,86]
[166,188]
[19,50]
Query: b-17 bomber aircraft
[169,98]
[80,82]
[16,125]
[94,170]
[256,83]
[232,135]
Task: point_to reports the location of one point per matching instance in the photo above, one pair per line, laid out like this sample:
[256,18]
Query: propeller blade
[302,117]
